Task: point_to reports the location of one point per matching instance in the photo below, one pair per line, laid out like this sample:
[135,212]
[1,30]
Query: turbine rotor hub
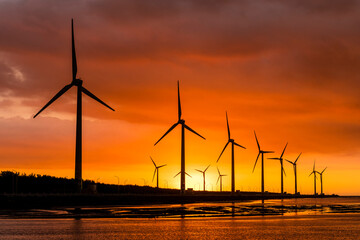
[181,121]
[77,82]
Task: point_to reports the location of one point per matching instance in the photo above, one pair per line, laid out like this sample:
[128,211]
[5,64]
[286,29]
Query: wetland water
[332,218]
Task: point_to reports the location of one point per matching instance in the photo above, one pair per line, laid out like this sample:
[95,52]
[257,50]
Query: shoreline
[250,208]
[29,201]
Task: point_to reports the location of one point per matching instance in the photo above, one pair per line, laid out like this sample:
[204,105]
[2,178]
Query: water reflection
[285,207]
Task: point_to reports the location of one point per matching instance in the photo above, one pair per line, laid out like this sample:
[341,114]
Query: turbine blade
[206,168]
[228,128]
[179,104]
[224,175]
[199,170]
[222,151]
[177,174]
[188,174]
[171,128]
[298,157]
[153,161]
[154,174]
[256,161]
[74,64]
[218,179]
[87,92]
[289,161]
[239,145]
[218,170]
[314,166]
[257,141]
[323,170]
[161,166]
[268,151]
[311,173]
[274,158]
[283,150]
[61,92]
[284,171]
[188,128]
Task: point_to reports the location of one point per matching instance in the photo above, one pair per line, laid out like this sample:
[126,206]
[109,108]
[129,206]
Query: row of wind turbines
[78,150]
[233,144]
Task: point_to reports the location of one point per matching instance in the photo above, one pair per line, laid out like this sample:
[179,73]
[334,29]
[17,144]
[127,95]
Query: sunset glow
[288,70]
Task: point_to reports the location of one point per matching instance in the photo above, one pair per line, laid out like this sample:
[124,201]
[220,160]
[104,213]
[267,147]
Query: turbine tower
[262,152]
[282,168]
[295,171]
[183,127]
[321,181]
[203,173]
[80,89]
[314,172]
[156,172]
[220,178]
[232,141]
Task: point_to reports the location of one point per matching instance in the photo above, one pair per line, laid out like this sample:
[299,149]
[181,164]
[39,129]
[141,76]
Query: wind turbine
[232,141]
[282,168]
[156,172]
[321,181]
[314,172]
[80,89]
[203,173]
[295,173]
[183,127]
[262,152]
[220,178]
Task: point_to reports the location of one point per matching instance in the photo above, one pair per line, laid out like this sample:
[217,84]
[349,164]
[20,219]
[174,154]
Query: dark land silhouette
[43,191]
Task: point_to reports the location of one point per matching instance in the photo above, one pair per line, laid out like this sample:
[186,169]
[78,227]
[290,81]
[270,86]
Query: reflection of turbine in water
[80,89]
[203,173]
[261,152]
[183,127]
[156,172]
[220,178]
[232,141]
[295,171]
[282,168]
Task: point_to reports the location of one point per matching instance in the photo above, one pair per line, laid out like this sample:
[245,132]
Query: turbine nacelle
[77,82]
[181,121]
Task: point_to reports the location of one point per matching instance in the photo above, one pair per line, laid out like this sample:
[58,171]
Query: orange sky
[287,69]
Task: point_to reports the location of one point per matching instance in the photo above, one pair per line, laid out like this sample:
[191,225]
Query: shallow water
[286,207]
[304,227]
[337,218]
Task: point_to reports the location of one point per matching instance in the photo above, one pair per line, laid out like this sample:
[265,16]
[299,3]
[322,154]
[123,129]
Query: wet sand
[286,207]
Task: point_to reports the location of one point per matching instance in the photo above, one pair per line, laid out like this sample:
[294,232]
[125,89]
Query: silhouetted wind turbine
[282,168]
[220,178]
[203,173]
[314,172]
[183,126]
[232,141]
[80,89]
[262,152]
[156,172]
[321,181]
[184,174]
[295,173]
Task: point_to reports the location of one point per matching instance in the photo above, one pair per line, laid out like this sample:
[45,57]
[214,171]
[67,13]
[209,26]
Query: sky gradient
[287,69]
